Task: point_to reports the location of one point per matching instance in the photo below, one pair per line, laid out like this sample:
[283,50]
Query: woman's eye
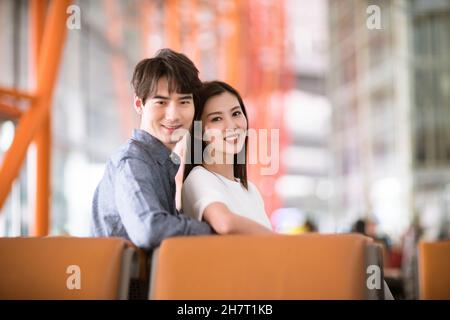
[216,119]
[237,113]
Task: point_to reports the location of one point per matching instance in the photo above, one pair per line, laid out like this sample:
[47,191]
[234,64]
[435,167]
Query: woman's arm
[223,221]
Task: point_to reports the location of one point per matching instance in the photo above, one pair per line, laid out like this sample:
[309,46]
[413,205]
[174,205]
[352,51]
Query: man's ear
[138,105]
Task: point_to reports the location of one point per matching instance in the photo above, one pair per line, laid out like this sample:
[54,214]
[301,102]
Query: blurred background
[359,91]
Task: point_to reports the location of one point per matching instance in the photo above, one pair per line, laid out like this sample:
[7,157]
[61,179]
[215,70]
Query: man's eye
[186,102]
[160,102]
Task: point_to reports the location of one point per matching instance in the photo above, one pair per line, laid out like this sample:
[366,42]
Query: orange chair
[66,268]
[434,270]
[310,266]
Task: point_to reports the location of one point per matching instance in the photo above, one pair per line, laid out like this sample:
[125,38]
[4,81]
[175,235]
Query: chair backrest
[310,266]
[65,268]
[434,270]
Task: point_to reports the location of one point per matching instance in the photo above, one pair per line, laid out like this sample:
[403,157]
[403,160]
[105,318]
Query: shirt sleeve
[146,221]
[200,189]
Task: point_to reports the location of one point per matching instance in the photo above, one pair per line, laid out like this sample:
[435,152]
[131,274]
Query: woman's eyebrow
[214,113]
[236,107]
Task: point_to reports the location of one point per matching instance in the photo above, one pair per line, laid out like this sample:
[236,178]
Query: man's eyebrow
[160,97]
[189,96]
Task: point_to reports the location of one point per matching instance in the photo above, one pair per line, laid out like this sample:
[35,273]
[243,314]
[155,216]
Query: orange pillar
[118,65]
[172,24]
[9,111]
[191,46]
[43,136]
[35,116]
[146,10]
[229,51]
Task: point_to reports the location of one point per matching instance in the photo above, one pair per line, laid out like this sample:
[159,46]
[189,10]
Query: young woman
[216,188]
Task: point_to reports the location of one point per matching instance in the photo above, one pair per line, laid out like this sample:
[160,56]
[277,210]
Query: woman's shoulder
[252,187]
[198,172]
[202,184]
[200,175]
[253,190]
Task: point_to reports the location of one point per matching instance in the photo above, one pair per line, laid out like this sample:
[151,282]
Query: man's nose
[172,112]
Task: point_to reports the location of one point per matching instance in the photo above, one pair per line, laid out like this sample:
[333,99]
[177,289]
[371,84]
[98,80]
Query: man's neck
[170,146]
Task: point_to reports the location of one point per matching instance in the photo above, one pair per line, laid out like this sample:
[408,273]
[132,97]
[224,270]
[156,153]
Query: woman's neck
[226,170]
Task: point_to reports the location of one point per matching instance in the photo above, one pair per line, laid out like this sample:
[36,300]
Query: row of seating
[434,270]
[67,268]
[310,266]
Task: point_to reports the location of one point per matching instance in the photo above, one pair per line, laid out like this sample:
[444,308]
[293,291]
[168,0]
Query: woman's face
[224,124]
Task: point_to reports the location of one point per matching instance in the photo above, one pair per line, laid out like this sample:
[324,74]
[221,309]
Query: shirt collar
[157,149]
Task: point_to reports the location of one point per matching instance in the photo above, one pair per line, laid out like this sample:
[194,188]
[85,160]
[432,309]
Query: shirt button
[175,158]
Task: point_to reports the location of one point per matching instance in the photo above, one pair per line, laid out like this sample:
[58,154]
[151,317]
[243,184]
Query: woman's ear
[138,105]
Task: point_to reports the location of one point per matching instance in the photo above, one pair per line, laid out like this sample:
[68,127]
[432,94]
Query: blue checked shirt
[136,197]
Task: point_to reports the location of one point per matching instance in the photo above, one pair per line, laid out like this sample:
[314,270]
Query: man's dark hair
[180,71]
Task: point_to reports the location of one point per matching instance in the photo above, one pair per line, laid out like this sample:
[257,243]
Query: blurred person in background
[367,227]
[310,226]
[410,259]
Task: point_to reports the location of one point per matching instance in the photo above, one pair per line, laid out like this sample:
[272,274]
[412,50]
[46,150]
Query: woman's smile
[232,138]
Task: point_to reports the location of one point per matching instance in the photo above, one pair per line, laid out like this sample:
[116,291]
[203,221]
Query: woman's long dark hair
[209,90]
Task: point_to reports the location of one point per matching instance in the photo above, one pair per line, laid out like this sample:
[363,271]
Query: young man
[136,197]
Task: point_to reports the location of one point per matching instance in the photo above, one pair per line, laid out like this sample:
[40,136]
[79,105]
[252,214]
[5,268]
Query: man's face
[165,116]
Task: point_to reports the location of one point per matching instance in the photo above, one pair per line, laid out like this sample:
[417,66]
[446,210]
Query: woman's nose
[231,123]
